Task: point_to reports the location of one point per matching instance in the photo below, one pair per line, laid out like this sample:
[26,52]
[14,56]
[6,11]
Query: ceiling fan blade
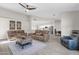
[31,8]
[22,5]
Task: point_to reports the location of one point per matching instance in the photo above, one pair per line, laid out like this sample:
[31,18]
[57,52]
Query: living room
[39,28]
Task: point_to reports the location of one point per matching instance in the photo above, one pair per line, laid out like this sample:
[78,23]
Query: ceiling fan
[27,7]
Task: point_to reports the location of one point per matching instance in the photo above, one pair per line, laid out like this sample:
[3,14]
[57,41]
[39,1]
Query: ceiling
[46,10]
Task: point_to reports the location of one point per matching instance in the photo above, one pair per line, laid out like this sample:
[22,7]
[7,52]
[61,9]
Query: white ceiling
[43,9]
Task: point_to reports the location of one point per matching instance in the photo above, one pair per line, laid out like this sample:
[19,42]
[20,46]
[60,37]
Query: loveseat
[41,35]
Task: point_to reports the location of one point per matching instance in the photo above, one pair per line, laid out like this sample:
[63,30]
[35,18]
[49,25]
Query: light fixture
[26,10]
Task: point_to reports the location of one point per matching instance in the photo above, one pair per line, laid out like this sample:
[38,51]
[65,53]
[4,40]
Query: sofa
[13,34]
[41,35]
[70,42]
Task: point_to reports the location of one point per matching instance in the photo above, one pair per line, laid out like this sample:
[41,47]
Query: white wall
[6,16]
[70,21]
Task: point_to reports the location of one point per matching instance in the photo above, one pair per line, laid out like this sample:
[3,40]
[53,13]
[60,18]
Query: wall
[70,21]
[7,15]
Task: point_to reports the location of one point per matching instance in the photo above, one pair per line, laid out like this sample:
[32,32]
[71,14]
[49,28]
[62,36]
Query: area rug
[28,49]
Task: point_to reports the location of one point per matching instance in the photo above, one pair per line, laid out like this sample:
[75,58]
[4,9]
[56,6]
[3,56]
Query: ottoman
[24,42]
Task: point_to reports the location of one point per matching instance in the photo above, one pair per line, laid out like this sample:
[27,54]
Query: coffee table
[23,42]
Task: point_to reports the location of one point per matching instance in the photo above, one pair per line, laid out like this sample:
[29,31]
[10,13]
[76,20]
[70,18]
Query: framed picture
[18,25]
[12,25]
